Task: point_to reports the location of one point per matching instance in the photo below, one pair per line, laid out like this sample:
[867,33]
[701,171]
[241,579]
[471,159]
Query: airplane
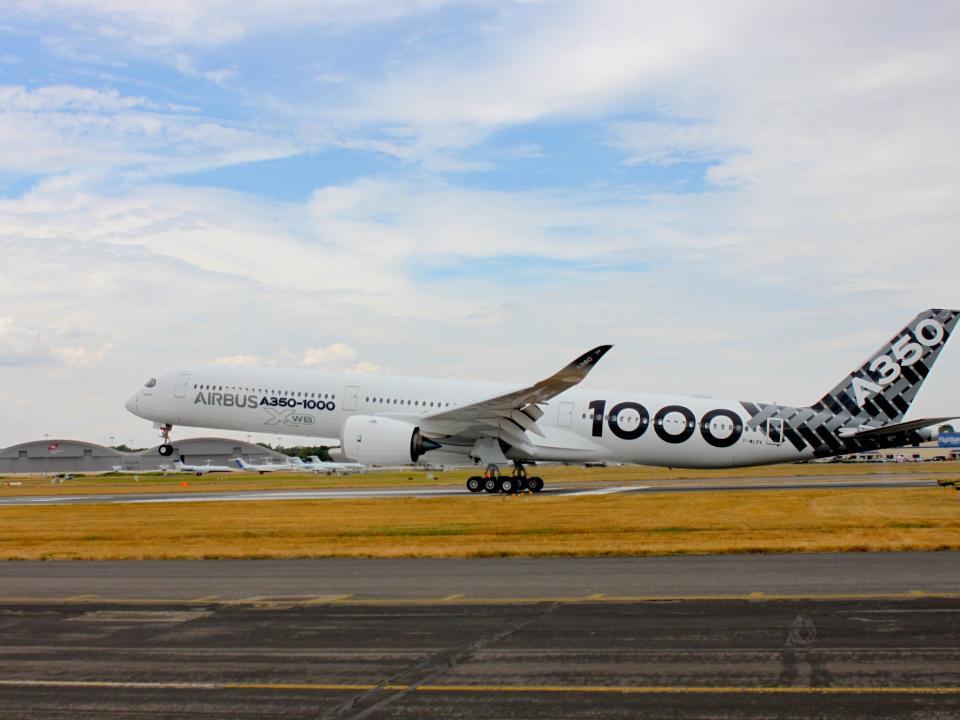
[182,467]
[384,420]
[265,467]
[260,469]
[316,465]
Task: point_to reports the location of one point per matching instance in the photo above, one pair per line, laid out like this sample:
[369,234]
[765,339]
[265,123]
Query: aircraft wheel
[475,484]
[166,450]
[491,485]
[535,484]
[508,485]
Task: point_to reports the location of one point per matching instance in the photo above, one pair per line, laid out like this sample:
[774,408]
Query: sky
[745,198]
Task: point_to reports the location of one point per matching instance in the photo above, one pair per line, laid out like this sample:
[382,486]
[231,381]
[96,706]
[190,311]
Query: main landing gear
[166,449]
[493,482]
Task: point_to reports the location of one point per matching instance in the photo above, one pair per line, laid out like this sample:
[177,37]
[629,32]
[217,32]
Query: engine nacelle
[375,440]
[928,434]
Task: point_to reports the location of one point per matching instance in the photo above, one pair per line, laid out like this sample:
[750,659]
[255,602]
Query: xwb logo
[288,417]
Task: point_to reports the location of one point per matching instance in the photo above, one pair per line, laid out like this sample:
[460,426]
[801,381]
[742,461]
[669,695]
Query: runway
[795,636]
[181,496]
[441,580]
[692,659]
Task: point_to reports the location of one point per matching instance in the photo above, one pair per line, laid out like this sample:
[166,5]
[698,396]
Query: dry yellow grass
[649,524]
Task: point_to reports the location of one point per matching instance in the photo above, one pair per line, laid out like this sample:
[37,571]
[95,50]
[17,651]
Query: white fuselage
[578,425]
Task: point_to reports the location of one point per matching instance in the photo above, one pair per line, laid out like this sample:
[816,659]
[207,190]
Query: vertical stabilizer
[881,390]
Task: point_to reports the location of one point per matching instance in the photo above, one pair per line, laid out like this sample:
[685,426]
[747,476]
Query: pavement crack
[429,669]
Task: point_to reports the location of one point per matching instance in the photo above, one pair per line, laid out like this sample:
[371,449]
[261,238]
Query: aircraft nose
[131,404]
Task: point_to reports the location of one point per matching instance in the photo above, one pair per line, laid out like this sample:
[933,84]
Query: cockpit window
[152,382]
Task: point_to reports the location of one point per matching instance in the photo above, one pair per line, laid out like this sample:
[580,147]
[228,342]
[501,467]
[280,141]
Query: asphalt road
[512,579]
[180,496]
[692,659]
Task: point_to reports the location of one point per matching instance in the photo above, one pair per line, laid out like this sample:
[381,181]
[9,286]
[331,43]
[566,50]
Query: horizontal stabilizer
[897,428]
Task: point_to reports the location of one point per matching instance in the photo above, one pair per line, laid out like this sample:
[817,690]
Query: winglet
[569,376]
[525,400]
[591,357]
[578,369]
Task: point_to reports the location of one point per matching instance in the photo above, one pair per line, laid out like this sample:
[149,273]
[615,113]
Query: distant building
[77,456]
[949,440]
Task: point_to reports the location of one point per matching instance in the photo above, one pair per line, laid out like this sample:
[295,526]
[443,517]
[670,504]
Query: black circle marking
[708,435]
[689,424]
[614,421]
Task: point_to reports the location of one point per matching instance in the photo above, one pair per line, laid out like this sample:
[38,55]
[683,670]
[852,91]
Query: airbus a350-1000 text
[384,420]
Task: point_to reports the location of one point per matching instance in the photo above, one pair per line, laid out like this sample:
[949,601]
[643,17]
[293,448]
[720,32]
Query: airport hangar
[78,456]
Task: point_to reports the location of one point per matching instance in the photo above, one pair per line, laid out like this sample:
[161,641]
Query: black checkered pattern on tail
[861,399]
[881,390]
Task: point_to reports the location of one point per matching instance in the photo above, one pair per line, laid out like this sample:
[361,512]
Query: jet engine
[375,440]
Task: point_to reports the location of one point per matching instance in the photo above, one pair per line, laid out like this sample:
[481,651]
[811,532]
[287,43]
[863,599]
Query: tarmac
[478,579]
[691,659]
[792,636]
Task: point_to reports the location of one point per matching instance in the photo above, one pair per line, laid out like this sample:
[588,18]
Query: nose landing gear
[166,449]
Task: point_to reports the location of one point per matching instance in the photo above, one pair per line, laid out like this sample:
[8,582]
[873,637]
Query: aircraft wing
[898,428]
[519,408]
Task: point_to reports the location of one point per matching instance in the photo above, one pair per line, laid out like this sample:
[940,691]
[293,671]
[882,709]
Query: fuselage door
[181,389]
[565,418]
[775,431]
[350,398]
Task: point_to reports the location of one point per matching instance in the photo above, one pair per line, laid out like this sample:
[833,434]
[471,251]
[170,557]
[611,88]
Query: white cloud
[365,367]
[239,360]
[80,356]
[208,23]
[85,132]
[335,356]
[318,356]
[21,345]
[69,98]
[26,346]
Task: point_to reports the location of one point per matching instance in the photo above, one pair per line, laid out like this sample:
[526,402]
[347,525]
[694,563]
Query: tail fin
[881,390]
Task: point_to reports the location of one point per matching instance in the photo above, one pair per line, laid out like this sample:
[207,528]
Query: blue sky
[191,181]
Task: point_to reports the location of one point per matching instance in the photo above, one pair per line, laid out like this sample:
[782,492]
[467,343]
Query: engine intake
[375,440]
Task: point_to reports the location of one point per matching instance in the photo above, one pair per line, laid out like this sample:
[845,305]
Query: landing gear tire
[535,484]
[508,485]
[475,484]
[491,485]
[166,450]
